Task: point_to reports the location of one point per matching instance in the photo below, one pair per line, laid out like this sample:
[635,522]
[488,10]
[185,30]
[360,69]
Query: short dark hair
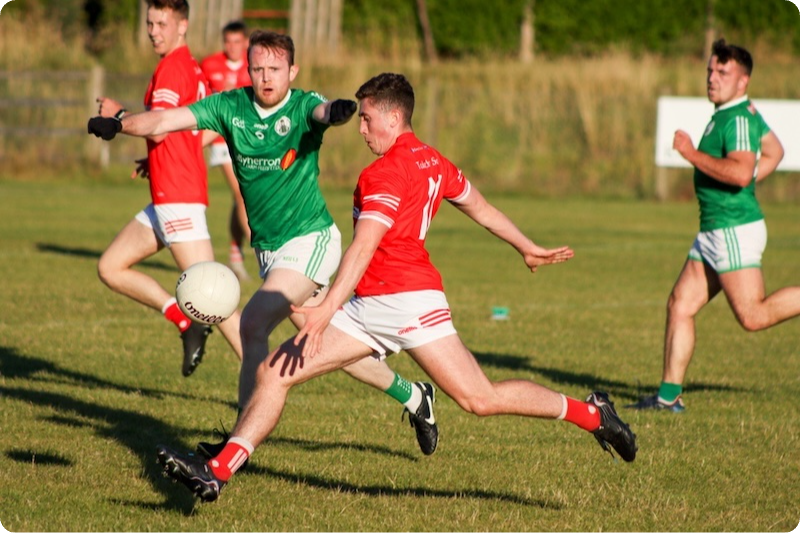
[725,52]
[272,41]
[389,91]
[235,26]
[181,7]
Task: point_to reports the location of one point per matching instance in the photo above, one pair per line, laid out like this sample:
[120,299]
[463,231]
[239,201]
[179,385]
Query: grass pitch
[90,383]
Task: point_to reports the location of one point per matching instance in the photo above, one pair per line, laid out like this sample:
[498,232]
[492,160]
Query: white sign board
[693,115]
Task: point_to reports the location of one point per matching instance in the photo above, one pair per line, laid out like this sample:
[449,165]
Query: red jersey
[403,190]
[177,165]
[224,75]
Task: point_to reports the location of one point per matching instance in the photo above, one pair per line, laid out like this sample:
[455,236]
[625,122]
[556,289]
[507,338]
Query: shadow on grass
[136,431]
[38,458]
[383,490]
[617,389]
[14,365]
[94,254]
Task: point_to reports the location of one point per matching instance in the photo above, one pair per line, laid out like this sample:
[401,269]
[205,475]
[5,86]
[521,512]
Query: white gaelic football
[208,292]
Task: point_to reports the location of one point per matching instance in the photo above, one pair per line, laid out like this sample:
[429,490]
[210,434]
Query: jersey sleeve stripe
[463,196]
[742,134]
[166,95]
[385,199]
[376,216]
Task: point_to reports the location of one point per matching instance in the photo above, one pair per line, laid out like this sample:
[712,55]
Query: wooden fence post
[96,149]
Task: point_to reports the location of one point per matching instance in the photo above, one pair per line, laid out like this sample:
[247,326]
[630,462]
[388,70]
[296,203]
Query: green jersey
[734,127]
[275,156]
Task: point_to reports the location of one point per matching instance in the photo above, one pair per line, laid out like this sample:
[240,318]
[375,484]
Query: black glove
[341,111]
[104,127]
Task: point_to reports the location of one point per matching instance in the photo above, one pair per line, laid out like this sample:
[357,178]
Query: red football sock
[584,415]
[231,458]
[174,314]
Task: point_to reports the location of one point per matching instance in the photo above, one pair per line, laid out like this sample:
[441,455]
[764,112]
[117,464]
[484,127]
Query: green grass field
[90,383]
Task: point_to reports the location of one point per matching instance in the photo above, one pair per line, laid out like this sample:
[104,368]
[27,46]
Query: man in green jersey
[274,134]
[736,151]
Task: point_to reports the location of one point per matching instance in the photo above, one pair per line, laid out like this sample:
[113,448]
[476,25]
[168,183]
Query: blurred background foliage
[578,120]
[465,28]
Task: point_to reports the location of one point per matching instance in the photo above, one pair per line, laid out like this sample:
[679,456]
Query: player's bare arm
[367,237]
[334,112]
[150,124]
[771,155]
[481,211]
[736,168]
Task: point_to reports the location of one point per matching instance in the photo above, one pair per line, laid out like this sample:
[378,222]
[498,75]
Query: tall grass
[557,127]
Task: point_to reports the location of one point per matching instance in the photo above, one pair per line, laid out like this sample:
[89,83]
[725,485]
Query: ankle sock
[669,392]
[584,415]
[174,314]
[231,458]
[405,392]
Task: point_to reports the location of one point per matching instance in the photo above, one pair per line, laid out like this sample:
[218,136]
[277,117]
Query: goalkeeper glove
[341,111]
[105,127]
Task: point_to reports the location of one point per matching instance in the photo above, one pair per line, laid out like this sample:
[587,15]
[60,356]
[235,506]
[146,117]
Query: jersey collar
[732,103]
[266,113]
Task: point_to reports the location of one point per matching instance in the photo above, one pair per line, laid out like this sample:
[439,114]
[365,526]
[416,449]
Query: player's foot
[194,346]
[613,432]
[192,471]
[654,402]
[210,450]
[423,421]
[239,270]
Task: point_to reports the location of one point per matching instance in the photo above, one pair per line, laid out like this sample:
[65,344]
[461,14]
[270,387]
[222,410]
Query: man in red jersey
[227,70]
[176,216]
[399,302]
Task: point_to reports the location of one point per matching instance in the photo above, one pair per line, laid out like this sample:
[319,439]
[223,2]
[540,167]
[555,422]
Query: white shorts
[175,222]
[393,322]
[315,255]
[730,249]
[219,155]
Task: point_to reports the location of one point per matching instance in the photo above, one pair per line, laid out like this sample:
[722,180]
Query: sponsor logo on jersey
[237,122]
[709,128]
[259,163]
[428,163]
[288,158]
[316,94]
[283,126]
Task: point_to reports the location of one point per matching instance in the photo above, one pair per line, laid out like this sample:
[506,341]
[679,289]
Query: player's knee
[106,274]
[681,306]
[476,405]
[751,322]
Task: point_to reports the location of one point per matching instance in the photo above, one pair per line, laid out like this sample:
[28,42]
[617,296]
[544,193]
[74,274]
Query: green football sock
[669,392]
[400,389]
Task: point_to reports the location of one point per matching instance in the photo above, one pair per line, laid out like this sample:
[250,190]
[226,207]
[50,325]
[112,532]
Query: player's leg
[745,292]
[371,371]
[238,226]
[697,284]
[267,308]
[743,282]
[283,369]
[454,369]
[134,243]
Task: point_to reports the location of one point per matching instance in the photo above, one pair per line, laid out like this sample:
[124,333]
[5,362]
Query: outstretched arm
[148,124]
[481,211]
[771,155]
[335,112]
[368,234]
